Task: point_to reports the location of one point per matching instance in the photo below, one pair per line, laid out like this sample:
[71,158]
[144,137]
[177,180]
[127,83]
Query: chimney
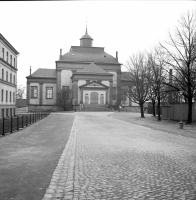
[60,53]
[117,55]
[30,70]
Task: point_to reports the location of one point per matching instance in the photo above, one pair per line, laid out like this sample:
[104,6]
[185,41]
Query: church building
[85,75]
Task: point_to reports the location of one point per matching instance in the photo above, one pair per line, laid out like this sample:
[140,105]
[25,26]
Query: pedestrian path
[106,158]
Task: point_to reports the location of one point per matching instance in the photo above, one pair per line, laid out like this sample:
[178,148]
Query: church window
[49,92]
[3,53]
[2,74]
[34,92]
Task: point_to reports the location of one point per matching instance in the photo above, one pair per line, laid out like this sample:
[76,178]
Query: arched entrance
[94,98]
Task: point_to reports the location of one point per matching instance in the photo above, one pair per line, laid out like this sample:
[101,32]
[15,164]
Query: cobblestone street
[106,158]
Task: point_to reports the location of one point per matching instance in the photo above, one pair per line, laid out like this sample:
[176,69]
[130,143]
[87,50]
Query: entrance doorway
[94,98]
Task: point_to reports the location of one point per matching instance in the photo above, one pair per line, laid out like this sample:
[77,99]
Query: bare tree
[157,76]
[137,86]
[63,99]
[181,53]
[20,92]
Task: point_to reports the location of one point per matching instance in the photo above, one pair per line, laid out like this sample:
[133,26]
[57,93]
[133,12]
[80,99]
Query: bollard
[181,125]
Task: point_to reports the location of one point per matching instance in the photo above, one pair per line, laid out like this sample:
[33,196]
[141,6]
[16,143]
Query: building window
[2,113]
[10,96]
[10,59]
[14,112]
[10,78]
[49,92]
[3,53]
[2,74]
[7,56]
[14,80]
[7,112]
[65,92]
[14,62]
[34,91]
[2,95]
[13,96]
[6,76]
[6,95]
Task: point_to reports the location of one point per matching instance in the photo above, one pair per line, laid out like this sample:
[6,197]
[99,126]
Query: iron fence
[15,123]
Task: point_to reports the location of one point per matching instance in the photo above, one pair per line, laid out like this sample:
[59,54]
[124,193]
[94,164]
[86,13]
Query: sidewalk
[152,122]
[29,157]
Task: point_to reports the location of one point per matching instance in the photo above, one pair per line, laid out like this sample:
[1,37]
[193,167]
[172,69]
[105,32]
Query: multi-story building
[8,78]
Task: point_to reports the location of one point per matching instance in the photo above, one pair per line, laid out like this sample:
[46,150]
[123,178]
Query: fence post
[3,126]
[22,121]
[26,120]
[11,125]
[17,123]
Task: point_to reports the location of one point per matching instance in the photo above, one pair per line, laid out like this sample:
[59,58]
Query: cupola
[86,40]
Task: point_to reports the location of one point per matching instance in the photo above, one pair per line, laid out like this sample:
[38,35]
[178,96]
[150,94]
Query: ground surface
[107,158]
[29,157]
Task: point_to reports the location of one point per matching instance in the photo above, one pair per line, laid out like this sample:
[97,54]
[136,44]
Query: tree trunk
[189,120]
[153,107]
[159,108]
[142,110]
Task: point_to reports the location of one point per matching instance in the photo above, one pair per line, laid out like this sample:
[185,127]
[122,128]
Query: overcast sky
[38,30]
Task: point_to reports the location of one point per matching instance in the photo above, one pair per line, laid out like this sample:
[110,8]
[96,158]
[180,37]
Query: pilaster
[118,88]
[111,92]
[58,85]
[40,93]
[28,93]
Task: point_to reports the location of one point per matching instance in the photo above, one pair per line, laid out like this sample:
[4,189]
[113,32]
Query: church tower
[86,40]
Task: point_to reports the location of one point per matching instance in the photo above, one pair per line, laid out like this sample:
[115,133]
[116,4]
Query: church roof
[88,54]
[44,73]
[126,76]
[86,36]
[92,69]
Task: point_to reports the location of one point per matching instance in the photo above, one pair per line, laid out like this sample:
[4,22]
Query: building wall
[66,77]
[46,101]
[9,85]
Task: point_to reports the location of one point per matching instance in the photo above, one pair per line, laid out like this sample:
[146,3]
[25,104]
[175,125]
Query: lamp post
[181,123]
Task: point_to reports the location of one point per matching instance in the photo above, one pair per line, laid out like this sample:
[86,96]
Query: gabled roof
[88,54]
[44,73]
[8,44]
[92,69]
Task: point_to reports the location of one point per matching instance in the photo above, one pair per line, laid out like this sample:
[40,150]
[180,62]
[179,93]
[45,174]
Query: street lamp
[181,123]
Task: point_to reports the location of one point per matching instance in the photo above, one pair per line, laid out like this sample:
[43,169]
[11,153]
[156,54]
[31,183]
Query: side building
[8,78]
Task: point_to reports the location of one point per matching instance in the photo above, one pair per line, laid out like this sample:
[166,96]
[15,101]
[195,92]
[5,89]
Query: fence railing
[9,125]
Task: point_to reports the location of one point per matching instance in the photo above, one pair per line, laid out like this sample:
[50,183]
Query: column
[111,93]
[28,94]
[81,95]
[76,90]
[107,97]
[40,93]
[58,86]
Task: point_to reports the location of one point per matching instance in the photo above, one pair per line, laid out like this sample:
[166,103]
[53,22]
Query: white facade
[8,78]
